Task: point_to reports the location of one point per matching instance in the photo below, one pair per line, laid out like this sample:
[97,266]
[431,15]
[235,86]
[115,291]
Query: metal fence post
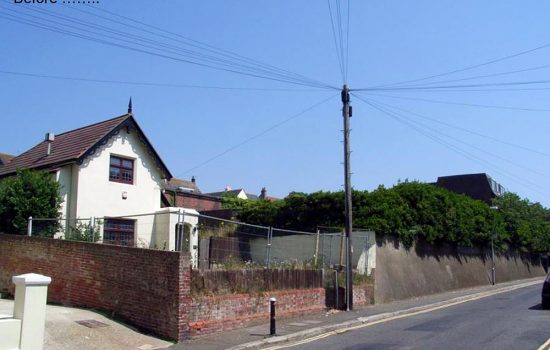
[315,256]
[268,247]
[29,227]
[92,229]
[343,245]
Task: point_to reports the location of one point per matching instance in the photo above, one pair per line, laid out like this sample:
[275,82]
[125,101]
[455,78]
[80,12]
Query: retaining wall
[423,269]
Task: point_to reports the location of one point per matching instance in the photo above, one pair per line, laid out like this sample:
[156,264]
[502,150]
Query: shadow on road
[537,307]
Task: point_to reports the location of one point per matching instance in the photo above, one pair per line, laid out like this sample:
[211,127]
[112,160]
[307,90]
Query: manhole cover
[92,323]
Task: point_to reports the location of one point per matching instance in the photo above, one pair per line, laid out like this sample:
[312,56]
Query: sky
[489,114]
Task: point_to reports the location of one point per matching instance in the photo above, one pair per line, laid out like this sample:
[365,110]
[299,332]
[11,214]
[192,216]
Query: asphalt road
[511,320]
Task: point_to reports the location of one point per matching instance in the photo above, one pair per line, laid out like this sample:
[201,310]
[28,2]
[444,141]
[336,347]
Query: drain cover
[92,323]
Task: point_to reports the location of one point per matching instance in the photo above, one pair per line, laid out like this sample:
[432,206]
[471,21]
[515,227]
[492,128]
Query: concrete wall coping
[32,279]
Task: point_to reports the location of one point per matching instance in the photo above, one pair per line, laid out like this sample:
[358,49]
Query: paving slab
[73,328]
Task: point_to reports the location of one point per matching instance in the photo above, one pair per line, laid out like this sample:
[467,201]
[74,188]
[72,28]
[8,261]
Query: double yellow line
[545,346]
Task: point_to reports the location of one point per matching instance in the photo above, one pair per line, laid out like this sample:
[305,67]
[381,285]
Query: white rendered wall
[99,197]
[67,176]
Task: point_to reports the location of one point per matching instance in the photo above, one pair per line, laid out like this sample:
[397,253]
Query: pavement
[296,329]
[73,328]
[65,329]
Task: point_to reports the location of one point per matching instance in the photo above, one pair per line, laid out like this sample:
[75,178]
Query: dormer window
[121,170]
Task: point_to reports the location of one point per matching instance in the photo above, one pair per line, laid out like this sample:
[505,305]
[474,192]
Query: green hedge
[410,211]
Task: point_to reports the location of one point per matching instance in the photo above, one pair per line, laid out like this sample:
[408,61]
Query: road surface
[511,320]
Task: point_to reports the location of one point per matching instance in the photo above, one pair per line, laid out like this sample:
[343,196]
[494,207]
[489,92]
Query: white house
[110,171]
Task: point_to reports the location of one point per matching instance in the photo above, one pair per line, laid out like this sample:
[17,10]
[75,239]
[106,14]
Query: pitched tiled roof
[75,145]
[174,184]
[5,158]
[223,193]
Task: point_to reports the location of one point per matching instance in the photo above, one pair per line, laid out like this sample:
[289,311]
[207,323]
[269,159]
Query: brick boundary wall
[210,314]
[148,288]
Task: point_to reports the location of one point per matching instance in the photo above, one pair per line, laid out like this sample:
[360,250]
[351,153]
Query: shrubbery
[410,211]
[29,193]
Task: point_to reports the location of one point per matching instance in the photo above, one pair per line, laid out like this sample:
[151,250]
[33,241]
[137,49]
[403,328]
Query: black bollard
[272,329]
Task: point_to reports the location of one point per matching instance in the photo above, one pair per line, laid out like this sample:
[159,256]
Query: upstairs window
[121,170]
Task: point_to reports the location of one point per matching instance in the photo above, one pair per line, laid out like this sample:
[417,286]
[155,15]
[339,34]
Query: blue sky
[389,42]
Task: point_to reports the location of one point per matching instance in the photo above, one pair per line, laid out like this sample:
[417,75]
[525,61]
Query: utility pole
[346,113]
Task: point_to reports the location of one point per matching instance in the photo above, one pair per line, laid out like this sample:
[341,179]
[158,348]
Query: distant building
[5,159]
[477,186]
[242,194]
[186,194]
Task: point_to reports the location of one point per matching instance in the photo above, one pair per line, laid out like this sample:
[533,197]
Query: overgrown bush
[84,231]
[29,193]
[411,211]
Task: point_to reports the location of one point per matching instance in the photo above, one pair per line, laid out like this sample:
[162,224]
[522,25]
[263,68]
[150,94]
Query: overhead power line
[428,88]
[523,182]
[491,138]
[522,167]
[261,133]
[148,46]
[492,75]
[467,68]
[183,39]
[523,109]
[140,83]
[337,43]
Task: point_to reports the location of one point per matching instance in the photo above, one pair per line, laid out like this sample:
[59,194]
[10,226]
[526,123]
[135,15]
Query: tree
[29,193]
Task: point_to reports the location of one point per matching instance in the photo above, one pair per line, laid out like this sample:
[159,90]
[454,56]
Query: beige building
[109,171]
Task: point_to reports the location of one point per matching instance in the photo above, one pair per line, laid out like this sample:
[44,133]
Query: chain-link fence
[227,244]
[216,243]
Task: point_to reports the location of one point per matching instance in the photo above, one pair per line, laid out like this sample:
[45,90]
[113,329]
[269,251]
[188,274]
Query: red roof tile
[5,158]
[72,146]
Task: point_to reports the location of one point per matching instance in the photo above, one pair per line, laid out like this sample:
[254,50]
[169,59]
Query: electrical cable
[427,88]
[491,138]
[261,133]
[522,167]
[137,83]
[186,40]
[525,183]
[340,59]
[347,41]
[483,76]
[463,103]
[136,49]
[474,66]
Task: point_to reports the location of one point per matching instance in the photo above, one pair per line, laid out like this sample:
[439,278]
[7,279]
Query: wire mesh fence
[232,244]
[217,243]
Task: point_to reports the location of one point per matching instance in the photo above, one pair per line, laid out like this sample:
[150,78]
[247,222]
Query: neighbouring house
[477,186]
[186,194]
[110,170]
[5,159]
[242,194]
[239,193]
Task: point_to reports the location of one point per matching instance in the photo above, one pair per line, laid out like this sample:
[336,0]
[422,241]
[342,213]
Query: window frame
[121,168]
[120,231]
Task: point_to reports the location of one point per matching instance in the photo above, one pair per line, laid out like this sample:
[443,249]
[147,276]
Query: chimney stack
[263,193]
[193,179]
[49,138]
